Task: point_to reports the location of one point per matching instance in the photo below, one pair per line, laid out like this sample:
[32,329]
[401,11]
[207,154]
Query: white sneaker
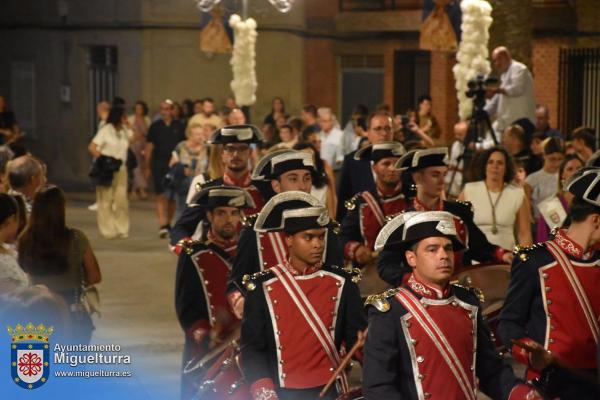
[93,207]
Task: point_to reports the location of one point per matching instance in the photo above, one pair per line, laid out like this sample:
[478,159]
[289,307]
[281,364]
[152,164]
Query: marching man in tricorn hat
[427,338]
[298,312]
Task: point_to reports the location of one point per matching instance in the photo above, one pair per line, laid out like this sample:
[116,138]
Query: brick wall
[545,59]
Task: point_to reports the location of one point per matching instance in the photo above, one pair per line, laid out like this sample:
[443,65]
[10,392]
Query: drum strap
[573,280]
[416,309]
[312,318]
[374,205]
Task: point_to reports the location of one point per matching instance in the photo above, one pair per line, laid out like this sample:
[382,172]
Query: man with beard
[288,171]
[428,169]
[202,272]
[357,175]
[298,312]
[368,210]
[236,140]
[427,338]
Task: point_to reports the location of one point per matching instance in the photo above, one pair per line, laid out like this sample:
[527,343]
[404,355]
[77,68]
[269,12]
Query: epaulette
[200,185]
[465,203]
[355,273]
[380,301]
[335,226]
[249,280]
[187,245]
[473,289]
[249,220]
[350,204]
[523,251]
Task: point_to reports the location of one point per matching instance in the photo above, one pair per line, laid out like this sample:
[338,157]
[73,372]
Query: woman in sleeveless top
[500,207]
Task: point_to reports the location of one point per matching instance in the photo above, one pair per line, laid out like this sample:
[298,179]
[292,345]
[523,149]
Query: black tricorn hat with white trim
[277,214]
[585,184]
[236,134]
[411,227]
[376,152]
[282,161]
[262,170]
[416,160]
[224,196]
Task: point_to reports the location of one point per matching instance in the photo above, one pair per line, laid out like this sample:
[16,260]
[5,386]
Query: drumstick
[359,343]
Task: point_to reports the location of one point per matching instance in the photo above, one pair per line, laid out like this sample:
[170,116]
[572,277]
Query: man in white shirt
[332,149]
[514,99]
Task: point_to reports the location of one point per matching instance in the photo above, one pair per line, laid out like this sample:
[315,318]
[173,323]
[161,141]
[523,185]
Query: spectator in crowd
[568,167]
[191,156]
[139,122]
[351,138]
[179,113]
[5,156]
[297,126]
[287,137]
[206,114]
[11,274]
[427,121]
[537,151]
[309,116]
[162,138]
[277,110]
[415,133]
[544,183]
[514,98]
[331,138]
[25,175]
[584,142]
[506,210]
[454,177]
[357,176]
[58,256]
[188,108]
[514,141]
[102,109]
[542,122]
[112,142]
[230,103]
[236,117]
[323,183]
[9,127]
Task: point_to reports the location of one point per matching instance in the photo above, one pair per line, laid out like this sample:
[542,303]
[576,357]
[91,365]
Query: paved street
[137,296]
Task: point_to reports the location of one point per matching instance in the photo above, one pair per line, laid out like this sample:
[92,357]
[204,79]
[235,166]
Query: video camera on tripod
[477,90]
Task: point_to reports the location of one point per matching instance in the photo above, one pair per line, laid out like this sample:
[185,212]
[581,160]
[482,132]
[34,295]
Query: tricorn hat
[224,196]
[291,211]
[376,152]
[585,184]
[283,161]
[411,227]
[419,159]
[236,134]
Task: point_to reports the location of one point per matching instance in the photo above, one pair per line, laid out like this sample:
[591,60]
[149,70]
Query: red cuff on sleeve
[263,389]
[200,324]
[519,354]
[524,392]
[349,250]
[499,253]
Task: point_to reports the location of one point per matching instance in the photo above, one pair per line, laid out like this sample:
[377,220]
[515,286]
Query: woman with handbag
[112,142]
[59,257]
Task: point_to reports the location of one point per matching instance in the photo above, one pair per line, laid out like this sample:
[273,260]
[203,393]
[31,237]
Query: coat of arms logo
[30,355]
